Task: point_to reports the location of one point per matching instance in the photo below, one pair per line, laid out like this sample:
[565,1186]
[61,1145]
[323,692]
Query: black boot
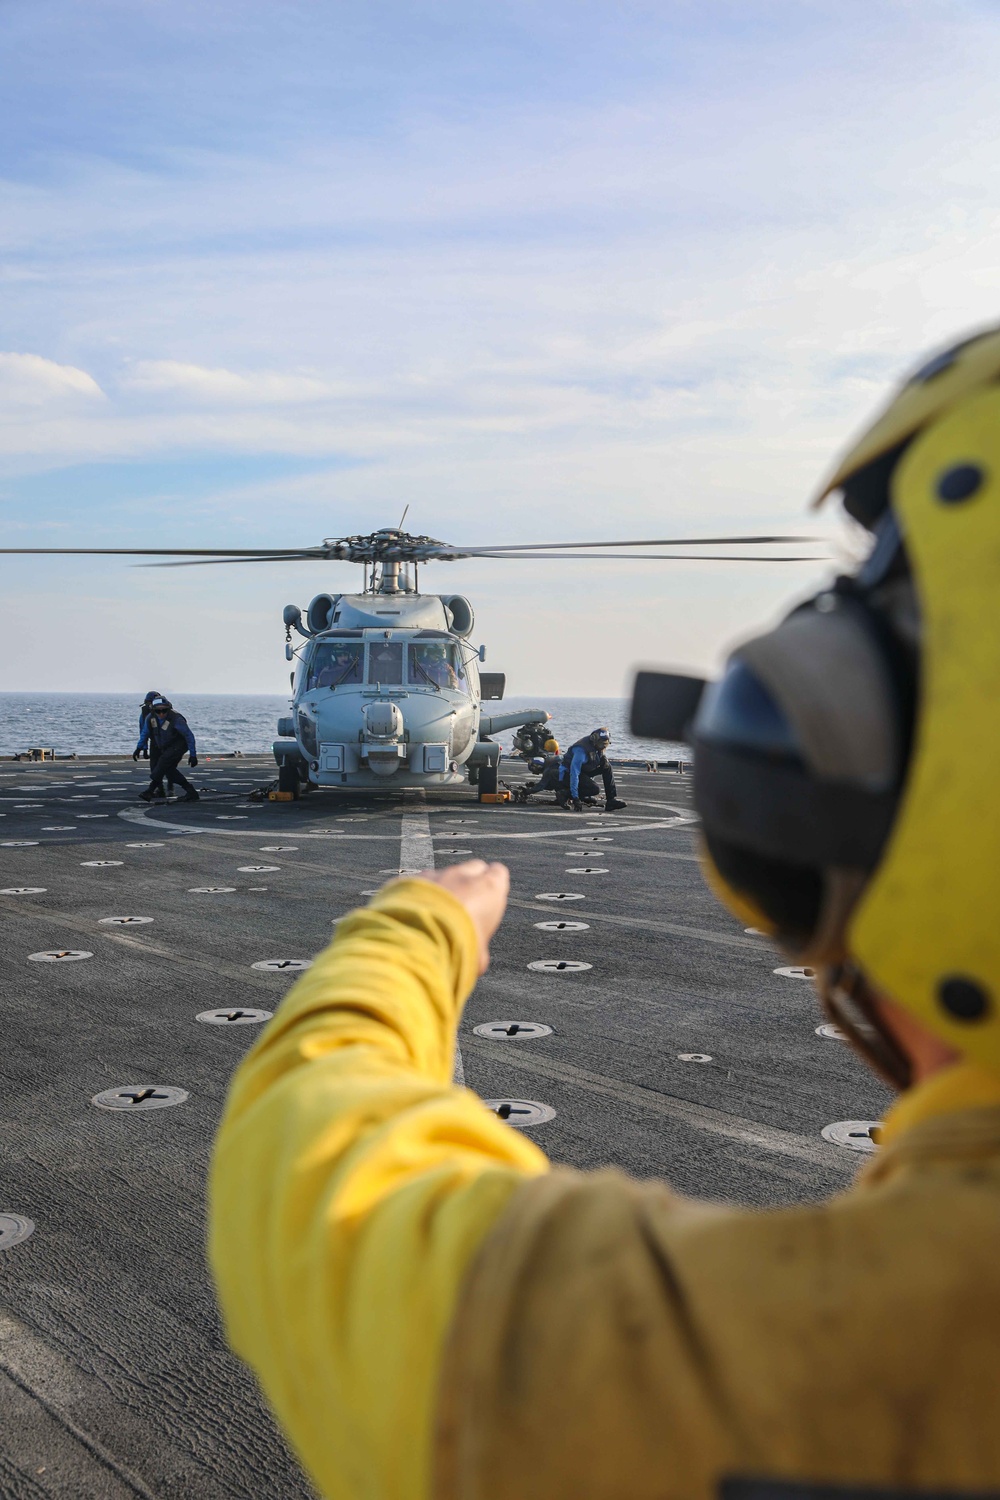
[191,797]
[615,805]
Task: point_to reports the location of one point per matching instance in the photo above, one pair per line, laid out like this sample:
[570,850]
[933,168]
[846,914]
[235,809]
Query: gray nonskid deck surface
[114,1378]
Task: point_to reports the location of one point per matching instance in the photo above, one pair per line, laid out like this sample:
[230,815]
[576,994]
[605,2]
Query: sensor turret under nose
[382,738]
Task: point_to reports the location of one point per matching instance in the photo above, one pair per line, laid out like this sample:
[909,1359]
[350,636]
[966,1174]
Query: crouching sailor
[582,762]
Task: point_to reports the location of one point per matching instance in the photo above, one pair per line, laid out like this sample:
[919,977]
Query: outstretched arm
[352,1184]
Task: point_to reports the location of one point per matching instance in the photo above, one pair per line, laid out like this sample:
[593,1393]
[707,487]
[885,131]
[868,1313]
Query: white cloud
[30,380]
[206,386]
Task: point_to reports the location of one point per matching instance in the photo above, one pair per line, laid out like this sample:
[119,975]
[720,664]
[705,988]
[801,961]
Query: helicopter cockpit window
[336,664]
[385,663]
[437,664]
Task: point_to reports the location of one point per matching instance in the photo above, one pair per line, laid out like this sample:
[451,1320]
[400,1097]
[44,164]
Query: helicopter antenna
[402,519]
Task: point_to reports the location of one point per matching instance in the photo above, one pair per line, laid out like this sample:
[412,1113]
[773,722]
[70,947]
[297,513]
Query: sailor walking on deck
[582,762]
[169,736]
[153,696]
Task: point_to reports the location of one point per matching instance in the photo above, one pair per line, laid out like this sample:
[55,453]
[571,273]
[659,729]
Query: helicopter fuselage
[386,694]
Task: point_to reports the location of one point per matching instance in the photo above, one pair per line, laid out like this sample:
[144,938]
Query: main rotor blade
[267,557]
[637,557]
[230,553]
[662,541]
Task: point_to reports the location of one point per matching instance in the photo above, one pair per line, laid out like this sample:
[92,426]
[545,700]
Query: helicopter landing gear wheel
[288,780]
[487,780]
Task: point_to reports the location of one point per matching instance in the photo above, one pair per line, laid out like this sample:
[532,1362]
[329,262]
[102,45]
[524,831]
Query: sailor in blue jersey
[168,735]
[143,716]
[582,762]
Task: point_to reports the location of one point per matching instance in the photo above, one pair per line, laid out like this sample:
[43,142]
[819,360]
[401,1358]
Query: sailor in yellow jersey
[434,1311]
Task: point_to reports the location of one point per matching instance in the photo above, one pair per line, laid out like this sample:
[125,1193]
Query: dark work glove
[192,760]
[576,804]
[135,755]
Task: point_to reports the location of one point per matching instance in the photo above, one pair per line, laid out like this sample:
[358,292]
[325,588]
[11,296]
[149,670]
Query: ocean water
[108,723]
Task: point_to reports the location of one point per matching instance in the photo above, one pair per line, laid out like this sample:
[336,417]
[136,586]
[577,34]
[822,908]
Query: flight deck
[626,1020]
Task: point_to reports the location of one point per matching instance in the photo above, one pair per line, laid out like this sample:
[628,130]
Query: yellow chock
[281,796]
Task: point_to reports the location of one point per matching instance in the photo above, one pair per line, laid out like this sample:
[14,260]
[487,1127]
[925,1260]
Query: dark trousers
[588,786]
[166,764]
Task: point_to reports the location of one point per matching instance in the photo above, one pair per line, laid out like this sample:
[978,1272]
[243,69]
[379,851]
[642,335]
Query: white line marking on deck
[416,852]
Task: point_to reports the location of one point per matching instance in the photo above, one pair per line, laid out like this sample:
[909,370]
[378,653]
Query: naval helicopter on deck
[387,690]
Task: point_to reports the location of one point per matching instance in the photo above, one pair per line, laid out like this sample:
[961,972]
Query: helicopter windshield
[385,663]
[436,664]
[336,664]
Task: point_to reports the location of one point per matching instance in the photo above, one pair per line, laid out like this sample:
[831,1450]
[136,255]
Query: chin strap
[850,1004]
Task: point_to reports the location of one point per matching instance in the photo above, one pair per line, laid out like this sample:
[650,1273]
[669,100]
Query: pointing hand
[482,890]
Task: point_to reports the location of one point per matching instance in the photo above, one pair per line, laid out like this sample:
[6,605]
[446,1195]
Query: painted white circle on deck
[257,869]
[123,921]
[563,926]
[136,1097]
[237,1016]
[586,870]
[512,1031]
[854,1135]
[59,828]
[210,890]
[13,1229]
[795,971]
[59,956]
[284,965]
[100,864]
[144,846]
[560,896]
[696,1057]
[834,1033]
[521,1113]
[19,844]
[23,890]
[558,966]
[279,848]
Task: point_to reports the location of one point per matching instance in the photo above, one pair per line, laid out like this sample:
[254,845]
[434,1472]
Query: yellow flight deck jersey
[432,1311]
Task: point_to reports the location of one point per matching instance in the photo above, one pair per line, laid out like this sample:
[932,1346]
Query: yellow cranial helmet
[847,764]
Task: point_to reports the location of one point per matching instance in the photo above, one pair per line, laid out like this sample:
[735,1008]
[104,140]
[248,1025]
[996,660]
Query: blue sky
[269,272]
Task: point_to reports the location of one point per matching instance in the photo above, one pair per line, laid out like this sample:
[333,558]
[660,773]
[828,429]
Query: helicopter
[387,691]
